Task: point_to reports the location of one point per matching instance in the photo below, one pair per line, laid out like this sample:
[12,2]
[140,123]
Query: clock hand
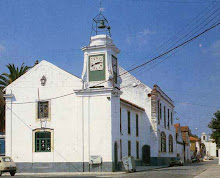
[96,63]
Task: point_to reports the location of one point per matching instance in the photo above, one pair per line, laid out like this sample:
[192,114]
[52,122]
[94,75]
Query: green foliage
[15,73]
[5,80]
[215,126]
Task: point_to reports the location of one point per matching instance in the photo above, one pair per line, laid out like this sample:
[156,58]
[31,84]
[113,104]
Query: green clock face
[97,67]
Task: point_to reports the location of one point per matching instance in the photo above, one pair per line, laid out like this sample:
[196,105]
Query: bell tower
[100,57]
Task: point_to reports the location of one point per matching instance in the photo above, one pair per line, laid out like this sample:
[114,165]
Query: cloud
[146,32]
[141,37]
[144,36]
[214,49]
[2,48]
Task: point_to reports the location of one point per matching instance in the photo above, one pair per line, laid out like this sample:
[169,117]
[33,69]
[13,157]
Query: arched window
[163,142]
[43,140]
[170,143]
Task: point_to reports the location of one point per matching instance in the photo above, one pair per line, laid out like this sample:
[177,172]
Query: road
[188,171]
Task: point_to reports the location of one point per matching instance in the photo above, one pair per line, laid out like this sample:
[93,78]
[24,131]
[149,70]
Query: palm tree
[5,80]
[15,73]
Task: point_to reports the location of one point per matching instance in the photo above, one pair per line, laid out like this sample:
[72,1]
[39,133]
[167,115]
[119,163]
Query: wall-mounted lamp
[43,81]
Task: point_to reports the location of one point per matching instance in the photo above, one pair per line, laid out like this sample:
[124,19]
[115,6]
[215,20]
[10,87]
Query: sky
[56,30]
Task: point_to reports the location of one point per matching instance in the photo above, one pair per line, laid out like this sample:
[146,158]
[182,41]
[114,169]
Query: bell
[102,24]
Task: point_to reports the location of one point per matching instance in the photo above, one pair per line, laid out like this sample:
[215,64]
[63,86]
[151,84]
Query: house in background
[185,135]
[210,145]
[180,145]
[194,147]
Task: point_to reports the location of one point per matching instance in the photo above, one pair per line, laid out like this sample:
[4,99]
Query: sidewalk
[138,169]
[212,172]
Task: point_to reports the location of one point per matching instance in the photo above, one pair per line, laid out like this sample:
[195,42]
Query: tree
[15,73]
[215,126]
[5,80]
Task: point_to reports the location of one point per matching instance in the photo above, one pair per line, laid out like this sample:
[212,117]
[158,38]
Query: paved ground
[198,170]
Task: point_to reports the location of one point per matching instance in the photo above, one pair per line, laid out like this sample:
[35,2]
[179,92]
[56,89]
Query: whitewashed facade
[56,121]
[210,145]
[179,143]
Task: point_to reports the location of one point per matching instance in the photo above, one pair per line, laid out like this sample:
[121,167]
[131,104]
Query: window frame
[165,116]
[51,131]
[158,112]
[137,150]
[170,144]
[129,122]
[137,125]
[48,118]
[129,147]
[163,142]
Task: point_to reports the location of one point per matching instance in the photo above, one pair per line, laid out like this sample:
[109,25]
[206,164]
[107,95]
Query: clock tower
[99,98]
[100,58]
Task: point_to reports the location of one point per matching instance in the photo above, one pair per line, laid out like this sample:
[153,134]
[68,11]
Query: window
[120,149]
[129,148]
[168,119]
[158,112]
[115,68]
[164,116]
[171,118]
[137,150]
[137,128]
[170,143]
[129,122]
[43,109]
[163,142]
[203,137]
[42,141]
[120,121]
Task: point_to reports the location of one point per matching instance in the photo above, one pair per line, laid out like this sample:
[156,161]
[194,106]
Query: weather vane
[100,23]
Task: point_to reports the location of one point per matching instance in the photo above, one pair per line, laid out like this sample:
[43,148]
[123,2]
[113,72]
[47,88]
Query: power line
[182,29]
[192,31]
[163,54]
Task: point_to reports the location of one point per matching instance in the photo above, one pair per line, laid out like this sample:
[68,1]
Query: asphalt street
[190,170]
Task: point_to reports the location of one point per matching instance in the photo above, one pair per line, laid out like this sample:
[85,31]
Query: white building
[210,145]
[180,145]
[56,121]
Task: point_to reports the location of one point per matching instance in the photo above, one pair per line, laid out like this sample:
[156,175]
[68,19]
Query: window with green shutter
[43,142]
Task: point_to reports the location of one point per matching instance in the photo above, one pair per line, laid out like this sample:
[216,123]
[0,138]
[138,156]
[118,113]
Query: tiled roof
[185,135]
[184,128]
[177,127]
[193,139]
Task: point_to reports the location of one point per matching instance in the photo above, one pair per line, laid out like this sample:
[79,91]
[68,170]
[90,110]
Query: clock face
[96,63]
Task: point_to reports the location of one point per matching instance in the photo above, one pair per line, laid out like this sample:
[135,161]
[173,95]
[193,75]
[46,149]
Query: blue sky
[55,30]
